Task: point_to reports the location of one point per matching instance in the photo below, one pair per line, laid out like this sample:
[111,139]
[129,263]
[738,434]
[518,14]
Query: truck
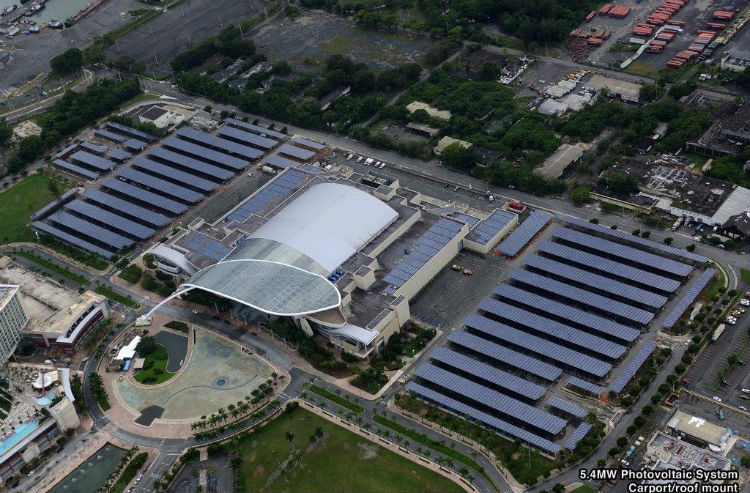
[677,224]
[268,169]
[717,333]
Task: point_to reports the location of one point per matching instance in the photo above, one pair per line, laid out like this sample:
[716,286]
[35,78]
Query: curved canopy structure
[283,267]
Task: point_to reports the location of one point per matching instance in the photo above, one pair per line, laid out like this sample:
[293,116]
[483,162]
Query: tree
[457,156]
[745,460]
[668,240]
[649,92]
[620,184]
[580,195]
[67,62]
[690,248]
[146,346]
[289,436]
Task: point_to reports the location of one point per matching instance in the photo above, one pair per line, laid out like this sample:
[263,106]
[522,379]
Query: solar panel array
[632,368]
[92,160]
[694,289]
[425,248]
[134,145]
[524,233]
[309,143]
[75,240]
[583,297]
[111,136]
[224,145]
[75,169]
[206,246]
[192,164]
[133,132]
[280,162]
[118,155]
[90,230]
[488,373]
[91,147]
[578,434]
[505,355]
[277,189]
[596,281]
[119,223]
[49,208]
[296,152]
[500,403]
[490,227]
[246,137]
[564,333]
[255,128]
[566,407]
[637,240]
[139,194]
[634,255]
[537,345]
[589,387]
[607,266]
[205,154]
[503,427]
[162,186]
[470,220]
[580,317]
[127,209]
[175,175]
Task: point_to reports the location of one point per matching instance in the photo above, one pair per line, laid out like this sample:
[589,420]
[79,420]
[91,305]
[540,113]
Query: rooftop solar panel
[633,366]
[128,209]
[309,143]
[163,186]
[582,296]
[580,384]
[505,355]
[296,152]
[488,373]
[133,132]
[694,289]
[75,240]
[192,164]
[205,246]
[111,136]
[524,233]
[565,406]
[176,175]
[596,281]
[92,160]
[567,335]
[537,345]
[578,434]
[280,162]
[274,192]
[90,230]
[470,220]
[205,154]
[75,169]
[580,317]
[504,428]
[501,403]
[224,145]
[255,128]
[246,137]
[490,227]
[607,266]
[145,196]
[634,255]
[119,223]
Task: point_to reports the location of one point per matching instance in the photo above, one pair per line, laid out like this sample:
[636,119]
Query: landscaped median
[336,398]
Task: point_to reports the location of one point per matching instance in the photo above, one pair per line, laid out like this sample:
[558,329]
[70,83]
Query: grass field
[340,461]
[584,489]
[745,275]
[337,399]
[20,201]
[53,267]
[155,367]
[115,296]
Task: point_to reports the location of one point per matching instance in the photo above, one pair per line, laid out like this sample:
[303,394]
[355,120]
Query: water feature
[21,432]
[89,476]
[45,400]
[53,9]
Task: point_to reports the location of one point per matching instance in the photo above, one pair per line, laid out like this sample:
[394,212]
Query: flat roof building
[698,430]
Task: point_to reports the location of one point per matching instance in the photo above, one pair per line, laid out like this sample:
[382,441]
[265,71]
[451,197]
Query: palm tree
[290,438]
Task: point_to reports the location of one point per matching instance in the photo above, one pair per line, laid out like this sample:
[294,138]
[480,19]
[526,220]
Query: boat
[69,22]
[54,24]
[7,10]
[35,7]
[13,31]
[33,29]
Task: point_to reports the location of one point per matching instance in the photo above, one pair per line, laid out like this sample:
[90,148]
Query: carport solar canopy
[577,435]
[694,289]
[505,355]
[191,163]
[131,191]
[255,128]
[75,169]
[308,143]
[581,384]
[223,144]
[537,345]
[630,254]
[553,329]
[629,372]
[581,296]
[127,208]
[133,132]
[176,175]
[111,136]
[205,154]
[595,281]
[163,186]
[280,162]
[607,266]
[296,152]
[72,239]
[580,317]
[90,230]
[246,137]
[565,406]
[524,233]
[119,223]
[93,160]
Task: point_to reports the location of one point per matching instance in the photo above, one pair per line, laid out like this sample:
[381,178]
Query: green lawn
[337,399]
[53,267]
[115,296]
[745,275]
[340,461]
[20,201]
[584,489]
[155,367]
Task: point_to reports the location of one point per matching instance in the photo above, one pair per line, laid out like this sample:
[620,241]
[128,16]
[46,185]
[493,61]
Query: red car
[685,381]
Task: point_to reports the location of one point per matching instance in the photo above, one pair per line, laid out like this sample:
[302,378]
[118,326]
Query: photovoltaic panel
[629,238]
[255,128]
[142,195]
[607,266]
[134,145]
[581,296]
[92,160]
[173,174]
[586,319]
[296,152]
[246,137]
[537,345]
[566,407]
[524,233]
[75,240]
[205,154]
[490,227]
[163,186]
[205,246]
[133,132]
[553,329]
[694,289]
[222,144]
[112,220]
[589,387]
[596,281]
[635,364]
[578,434]
[274,192]
[111,136]
[503,427]
[309,143]
[505,355]
[75,169]
[118,155]
[49,208]
[93,148]
[488,373]
[631,254]
[192,164]
[280,162]
[127,209]
[501,403]
[470,220]
[90,230]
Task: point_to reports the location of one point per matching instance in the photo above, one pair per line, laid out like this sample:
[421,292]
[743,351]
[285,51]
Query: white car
[348,157]
[731,320]
[745,302]
[717,399]
[743,408]
[382,165]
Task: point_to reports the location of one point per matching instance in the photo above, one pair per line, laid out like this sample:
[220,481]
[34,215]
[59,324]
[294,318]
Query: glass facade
[12,320]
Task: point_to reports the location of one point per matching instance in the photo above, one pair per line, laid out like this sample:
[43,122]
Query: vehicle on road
[716,398]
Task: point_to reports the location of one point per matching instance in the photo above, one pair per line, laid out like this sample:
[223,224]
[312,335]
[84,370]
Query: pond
[90,475]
